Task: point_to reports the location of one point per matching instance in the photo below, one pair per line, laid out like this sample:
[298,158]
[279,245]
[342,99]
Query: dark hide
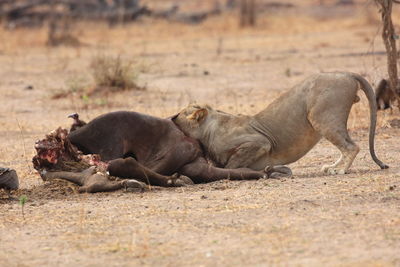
[135,146]
[150,149]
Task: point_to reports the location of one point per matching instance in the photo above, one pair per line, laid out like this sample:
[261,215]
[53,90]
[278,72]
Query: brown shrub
[114,74]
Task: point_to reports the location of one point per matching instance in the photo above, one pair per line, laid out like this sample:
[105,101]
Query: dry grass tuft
[114,74]
[109,74]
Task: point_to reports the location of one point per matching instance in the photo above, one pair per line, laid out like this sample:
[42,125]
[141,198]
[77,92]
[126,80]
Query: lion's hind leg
[247,154]
[326,168]
[348,149]
[329,119]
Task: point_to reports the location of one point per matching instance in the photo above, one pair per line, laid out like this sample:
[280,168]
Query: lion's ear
[198,115]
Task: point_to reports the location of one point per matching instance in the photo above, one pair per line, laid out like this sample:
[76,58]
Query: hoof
[177,180]
[133,185]
[185,180]
[43,175]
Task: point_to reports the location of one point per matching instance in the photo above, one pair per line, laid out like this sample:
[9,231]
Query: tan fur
[288,128]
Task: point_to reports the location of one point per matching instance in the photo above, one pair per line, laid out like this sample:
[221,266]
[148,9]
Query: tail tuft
[384,166]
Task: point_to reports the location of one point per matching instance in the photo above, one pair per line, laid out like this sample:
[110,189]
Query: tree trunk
[247,13]
[388,36]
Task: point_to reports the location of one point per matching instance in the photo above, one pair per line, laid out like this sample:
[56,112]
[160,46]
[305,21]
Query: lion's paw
[278,171]
[333,171]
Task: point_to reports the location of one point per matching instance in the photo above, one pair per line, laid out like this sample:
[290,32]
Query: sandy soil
[312,219]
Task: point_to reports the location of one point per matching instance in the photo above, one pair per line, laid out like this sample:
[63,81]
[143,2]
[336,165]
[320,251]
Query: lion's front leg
[246,154]
[278,171]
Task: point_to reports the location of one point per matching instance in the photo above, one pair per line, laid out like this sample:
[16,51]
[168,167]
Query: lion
[288,128]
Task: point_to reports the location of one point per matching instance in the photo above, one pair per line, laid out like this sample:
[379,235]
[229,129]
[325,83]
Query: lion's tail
[369,92]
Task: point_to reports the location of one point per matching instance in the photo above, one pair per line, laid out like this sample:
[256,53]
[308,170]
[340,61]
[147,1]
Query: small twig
[23,145]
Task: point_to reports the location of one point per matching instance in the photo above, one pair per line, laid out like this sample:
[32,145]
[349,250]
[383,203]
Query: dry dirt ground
[312,219]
